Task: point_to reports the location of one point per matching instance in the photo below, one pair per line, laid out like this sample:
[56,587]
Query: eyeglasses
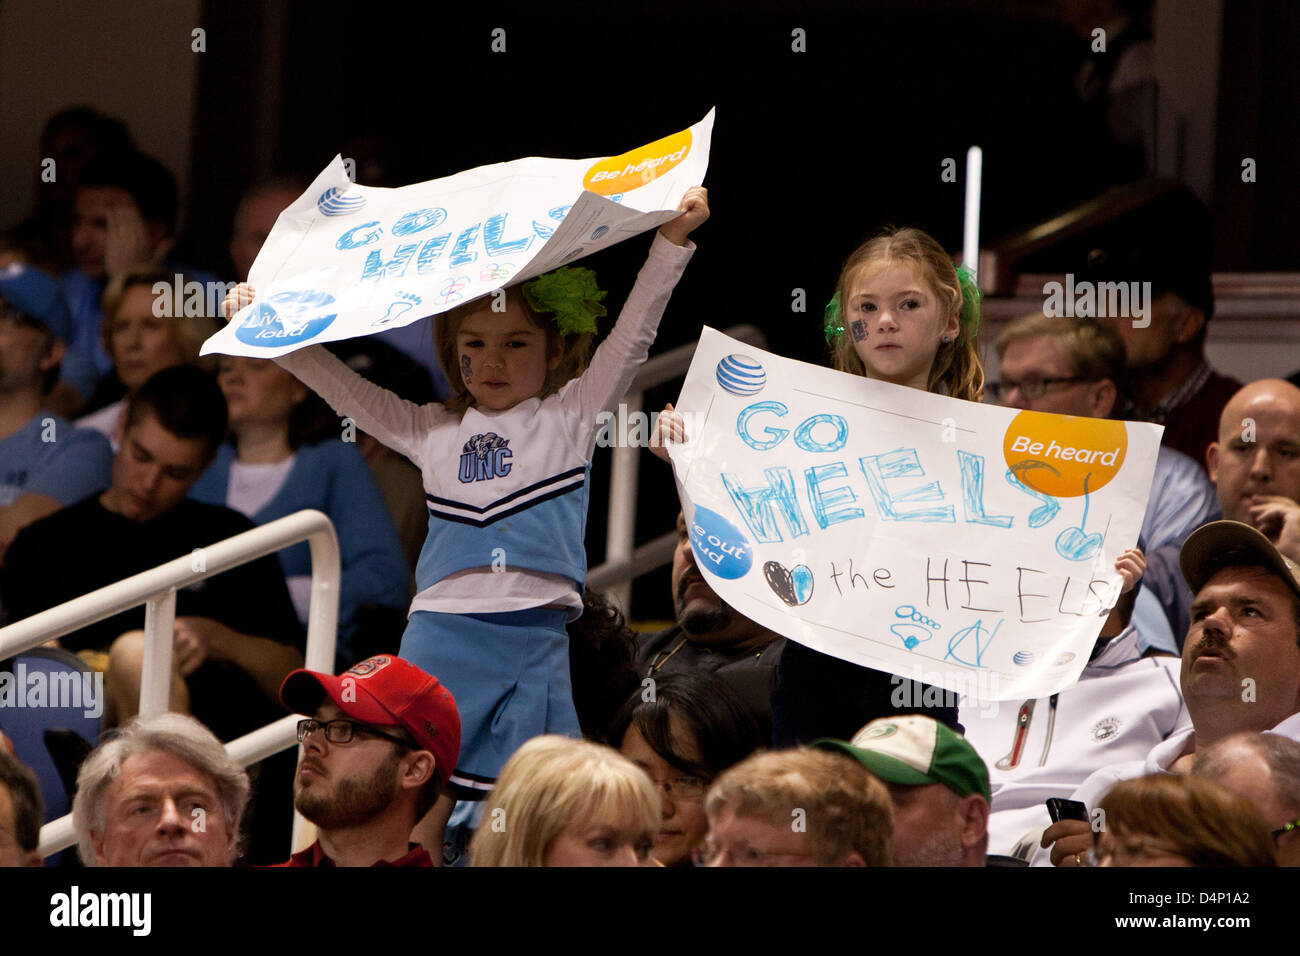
[342,731]
[1285,829]
[1125,853]
[684,787]
[1030,388]
[706,854]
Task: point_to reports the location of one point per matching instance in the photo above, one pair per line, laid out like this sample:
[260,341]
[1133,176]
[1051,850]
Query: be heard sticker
[621,174]
[1063,456]
[719,546]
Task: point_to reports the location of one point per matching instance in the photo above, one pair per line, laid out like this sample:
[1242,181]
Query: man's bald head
[1258,451]
[1264,768]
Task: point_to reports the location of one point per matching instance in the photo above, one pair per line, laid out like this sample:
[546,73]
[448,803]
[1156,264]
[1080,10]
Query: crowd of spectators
[170,453]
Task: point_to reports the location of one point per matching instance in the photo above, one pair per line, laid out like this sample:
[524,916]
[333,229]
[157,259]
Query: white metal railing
[623,560]
[157,588]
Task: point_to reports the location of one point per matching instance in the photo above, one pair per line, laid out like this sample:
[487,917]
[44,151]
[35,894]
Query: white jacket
[1122,705]
[1158,760]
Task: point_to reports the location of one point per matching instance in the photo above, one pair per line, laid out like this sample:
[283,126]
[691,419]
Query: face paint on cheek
[859,329]
[464,369]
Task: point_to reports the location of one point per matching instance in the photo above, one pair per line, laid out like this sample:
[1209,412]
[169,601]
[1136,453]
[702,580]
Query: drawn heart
[794,587]
[1074,545]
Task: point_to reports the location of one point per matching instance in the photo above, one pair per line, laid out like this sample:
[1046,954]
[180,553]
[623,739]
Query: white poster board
[346,260]
[968,546]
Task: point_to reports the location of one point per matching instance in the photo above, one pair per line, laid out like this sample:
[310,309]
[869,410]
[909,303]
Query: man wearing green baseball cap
[937,782]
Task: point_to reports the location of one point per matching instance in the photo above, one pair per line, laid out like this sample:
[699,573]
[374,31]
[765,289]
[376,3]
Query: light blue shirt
[331,477]
[1181,500]
[51,456]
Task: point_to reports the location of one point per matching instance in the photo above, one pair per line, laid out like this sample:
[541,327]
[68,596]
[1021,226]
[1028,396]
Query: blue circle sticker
[286,318]
[719,546]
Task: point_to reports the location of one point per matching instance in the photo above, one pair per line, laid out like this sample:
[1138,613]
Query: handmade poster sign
[346,260]
[968,546]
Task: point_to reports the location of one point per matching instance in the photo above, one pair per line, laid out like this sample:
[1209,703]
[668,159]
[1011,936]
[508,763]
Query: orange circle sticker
[1064,456]
[621,174]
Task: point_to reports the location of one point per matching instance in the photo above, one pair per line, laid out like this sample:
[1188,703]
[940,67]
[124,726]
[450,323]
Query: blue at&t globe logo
[740,375]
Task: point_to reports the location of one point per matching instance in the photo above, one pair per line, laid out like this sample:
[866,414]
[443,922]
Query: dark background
[811,151]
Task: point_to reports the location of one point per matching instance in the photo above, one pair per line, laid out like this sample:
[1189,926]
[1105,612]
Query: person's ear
[54,354]
[419,769]
[1104,394]
[951,329]
[853,859]
[974,812]
[556,349]
[1212,461]
[97,847]
[1190,322]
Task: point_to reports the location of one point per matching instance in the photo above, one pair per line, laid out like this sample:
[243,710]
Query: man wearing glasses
[1074,366]
[380,745]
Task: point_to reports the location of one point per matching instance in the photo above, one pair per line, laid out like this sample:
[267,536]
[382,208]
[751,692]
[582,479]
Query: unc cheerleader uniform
[503,566]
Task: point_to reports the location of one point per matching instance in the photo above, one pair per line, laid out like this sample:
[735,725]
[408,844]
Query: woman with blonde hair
[144,332]
[1179,820]
[563,802]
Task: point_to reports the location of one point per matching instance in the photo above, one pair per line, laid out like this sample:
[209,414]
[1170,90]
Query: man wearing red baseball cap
[381,742]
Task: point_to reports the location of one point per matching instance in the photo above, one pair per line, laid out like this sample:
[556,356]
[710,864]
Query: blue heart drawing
[1074,544]
[794,587]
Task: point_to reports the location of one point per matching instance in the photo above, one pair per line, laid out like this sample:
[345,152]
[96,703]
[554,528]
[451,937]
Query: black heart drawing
[793,587]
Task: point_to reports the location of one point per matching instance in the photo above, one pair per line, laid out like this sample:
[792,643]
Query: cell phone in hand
[1058,808]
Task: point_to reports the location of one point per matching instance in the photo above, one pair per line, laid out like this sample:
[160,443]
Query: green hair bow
[571,294]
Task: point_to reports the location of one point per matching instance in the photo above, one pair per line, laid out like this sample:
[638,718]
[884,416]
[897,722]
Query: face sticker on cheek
[464,369]
[859,329]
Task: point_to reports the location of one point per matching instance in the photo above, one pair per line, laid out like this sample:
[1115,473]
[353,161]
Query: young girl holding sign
[505,464]
[901,313]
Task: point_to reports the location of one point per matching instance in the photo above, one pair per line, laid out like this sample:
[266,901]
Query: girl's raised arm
[399,424]
[628,344]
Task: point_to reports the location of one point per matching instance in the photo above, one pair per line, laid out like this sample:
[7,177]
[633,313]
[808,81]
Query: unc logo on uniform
[485,457]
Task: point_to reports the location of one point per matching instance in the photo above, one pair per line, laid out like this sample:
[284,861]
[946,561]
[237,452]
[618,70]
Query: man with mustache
[1240,670]
[1255,464]
[376,752]
[711,635]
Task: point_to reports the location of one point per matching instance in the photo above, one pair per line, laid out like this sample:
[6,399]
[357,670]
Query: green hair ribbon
[831,317]
[571,294]
[970,301]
